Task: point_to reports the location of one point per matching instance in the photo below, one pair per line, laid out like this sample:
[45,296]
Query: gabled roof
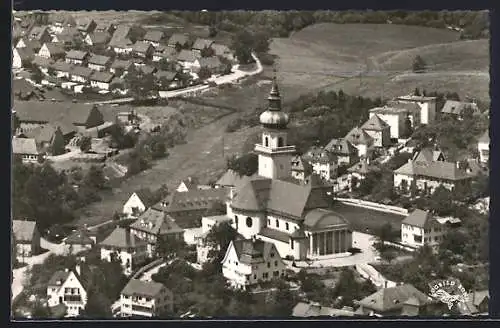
[23,230]
[146,69]
[55,49]
[42,62]
[362,167]
[375,123]
[154,36]
[305,310]
[319,155]
[232,179]
[120,36]
[99,60]
[146,196]
[322,218]
[440,170]
[76,54]
[122,238]
[34,45]
[63,19]
[457,107]
[178,38]
[142,47]
[167,75]
[193,200]
[190,183]
[136,287]
[38,31]
[419,218]
[22,87]
[24,146]
[485,137]
[62,66]
[81,71]
[200,44]
[45,112]
[358,136]
[59,277]
[220,49]
[254,251]
[187,56]
[105,77]
[210,62]
[390,299]
[300,165]
[428,154]
[99,37]
[156,222]
[25,53]
[65,38]
[43,133]
[80,237]
[70,31]
[341,147]
[165,52]
[118,63]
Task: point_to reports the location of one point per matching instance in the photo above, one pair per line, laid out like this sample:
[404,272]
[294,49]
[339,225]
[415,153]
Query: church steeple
[273,117]
[274,96]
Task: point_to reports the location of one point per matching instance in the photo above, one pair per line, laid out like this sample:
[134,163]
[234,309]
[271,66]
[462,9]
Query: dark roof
[341,147]
[24,146]
[23,87]
[42,62]
[80,237]
[220,49]
[58,278]
[122,238]
[62,19]
[232,179]
[428,154]
[441,170]
[254,251]
[390,299]
[55,49]
[81,71]
[190,183]
[76,54]
[99,60]
[305,310]
[120,36]
[101,76]
[38,31]
[210,62]
[363,167]
[146,196]
[323,218]
[136,287]
[42,133]
[34,45]
[192,200]
[319,155]
[300,165]
[154,36]
[146,69]
[419,218]
[457,107]
[65,38]
[284,197]
[167,75]
[156,222]
[200,44]
[99,37]
[23,230]
[358,136]
[70,31]
[142,47]
[275,234]
[375,123]
[25,53]
[118,63]
[45,112]
[187,56]
[178,38]
[62,66]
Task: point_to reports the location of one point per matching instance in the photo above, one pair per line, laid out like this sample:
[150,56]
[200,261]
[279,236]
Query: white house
[483,147]
[137,203]
[323,162]
[207,223]
[379,130]
[80,240]
[76,57]
[80,74]
[126,247]
[51,50]
[187,185]
[361,140]
[250,261]
[69,287]
[145,299]
[27,149]
[427,106]
[98,62]
[421,228]
[101,80]
[395,117]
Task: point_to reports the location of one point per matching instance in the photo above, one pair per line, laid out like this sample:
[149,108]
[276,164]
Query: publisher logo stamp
[449,291]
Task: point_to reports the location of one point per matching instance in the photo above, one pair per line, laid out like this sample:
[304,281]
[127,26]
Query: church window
[286,226]
[277,223]
[266,141]
[280,142]
[291,244]
[249,222]
[268,264]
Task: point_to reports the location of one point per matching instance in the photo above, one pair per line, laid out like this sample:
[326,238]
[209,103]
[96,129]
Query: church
[272,206]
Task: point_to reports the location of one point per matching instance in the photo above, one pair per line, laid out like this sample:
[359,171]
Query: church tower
[275,154]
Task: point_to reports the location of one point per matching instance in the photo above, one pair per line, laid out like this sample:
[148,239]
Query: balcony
[140,308]
[278,150]
[72,298]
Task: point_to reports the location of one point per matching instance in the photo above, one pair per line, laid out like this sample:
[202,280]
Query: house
[143,50]
[119,67]
[231,180]
[223,51]
[147,69]
[459,108]
[97,38]
[40,34]
[178,40]
[483,147]
[379,130]
[308,310]
[77,57]
[300,169]
[427,106]
[187,185]
[126,247]
[187,208]
[251,261]
[69,287]
[427,176]
[61,22]
[421,228]
[80,74]
[33,45]
[153,37]
[359,171]
[345,151]
[80,240]
[200,44]
[120,41]
[105,27]
[153,226]
[402,300]
[145,299]
[138,202]
[101,80]
[52,51]
[24,90]
[87,27]
[62,69]
[165,53]
[167,80]
[68,39]
[429,154]
[21,56]
[118,86]
[398,117]
[32,114]
[187,58]
[27,237]
[49,139]
[207,223]
[323,162]
[211,63]
[98,62]
[361,140]
[26,149]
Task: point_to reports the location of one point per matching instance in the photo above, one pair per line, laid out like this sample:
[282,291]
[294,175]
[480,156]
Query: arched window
[266,141]
[280,142]
[249,222]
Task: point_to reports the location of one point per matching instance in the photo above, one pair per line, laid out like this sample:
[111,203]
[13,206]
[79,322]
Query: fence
[374,206]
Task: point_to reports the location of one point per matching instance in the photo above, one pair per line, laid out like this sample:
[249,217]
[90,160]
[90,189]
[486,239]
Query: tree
[136,33]
[95,178]
[204,73]
[40,311]
[98,306]
[166,65]
[419,65]
[207,52]
[169,248]
[243,44]
[218,239]
[384,234]
[227,65]
[284,300]
[408,126]
[36,74]
[85,144]
[157,147]
[247,164]
[51,71]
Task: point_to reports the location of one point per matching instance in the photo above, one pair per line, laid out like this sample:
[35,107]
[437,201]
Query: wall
[133,201]
[97,67]
[372,205]
[44,52]
[484,152]
[282,221]
[395,121]
[243,228]
[16,60]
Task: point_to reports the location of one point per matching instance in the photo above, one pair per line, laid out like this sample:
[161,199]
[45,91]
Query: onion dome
[273,117]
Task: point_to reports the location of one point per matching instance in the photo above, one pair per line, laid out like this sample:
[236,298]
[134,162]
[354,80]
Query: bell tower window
[266,141]
[280,142]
